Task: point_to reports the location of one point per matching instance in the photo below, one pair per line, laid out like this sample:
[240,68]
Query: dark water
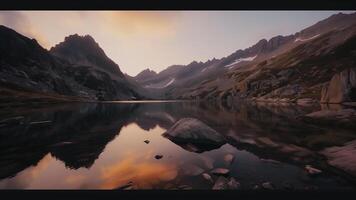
[101,146]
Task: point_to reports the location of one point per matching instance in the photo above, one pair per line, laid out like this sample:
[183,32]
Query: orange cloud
[143,23]
[144,174]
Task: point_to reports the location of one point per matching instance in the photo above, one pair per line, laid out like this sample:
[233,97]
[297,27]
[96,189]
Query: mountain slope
[26,66]
[298,73]
[219,77]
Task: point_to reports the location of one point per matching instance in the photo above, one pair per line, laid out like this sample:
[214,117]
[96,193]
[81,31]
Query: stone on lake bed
[146,141]
[229,158]
[233,184]
[158,157]
[268,185]
[207,177]
[311,170]
[221,184]
[220,171]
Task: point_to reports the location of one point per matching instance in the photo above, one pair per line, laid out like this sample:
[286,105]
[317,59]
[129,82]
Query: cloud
[142,23]
[142,172]
[20,23]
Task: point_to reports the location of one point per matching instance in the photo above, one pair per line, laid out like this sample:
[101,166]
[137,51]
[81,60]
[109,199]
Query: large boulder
[194,135]
[341,88]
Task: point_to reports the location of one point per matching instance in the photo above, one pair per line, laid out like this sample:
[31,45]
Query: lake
[115,145]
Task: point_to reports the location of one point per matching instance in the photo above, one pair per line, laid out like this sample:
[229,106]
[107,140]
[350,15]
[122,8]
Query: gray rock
[268,186]
[207,177]
[194,135]
[229,158]
[221,184]
[341,88]
[311,170]
[220,171]
[233,184]
[158,157]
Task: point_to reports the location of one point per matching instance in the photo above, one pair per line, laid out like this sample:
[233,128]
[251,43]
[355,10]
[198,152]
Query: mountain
[76,69]
[84,51]
[278,68]
[144,75]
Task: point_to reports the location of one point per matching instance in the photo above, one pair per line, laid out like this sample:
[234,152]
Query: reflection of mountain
[77,134]
[74,134]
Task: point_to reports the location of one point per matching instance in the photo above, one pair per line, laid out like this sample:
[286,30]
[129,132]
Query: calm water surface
[101,146]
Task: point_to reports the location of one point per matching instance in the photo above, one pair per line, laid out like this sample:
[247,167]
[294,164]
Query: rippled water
[101,146]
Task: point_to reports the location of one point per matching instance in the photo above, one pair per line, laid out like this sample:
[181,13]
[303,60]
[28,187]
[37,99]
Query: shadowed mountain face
[285,67]
[84,51]
[79,68]
[78,134]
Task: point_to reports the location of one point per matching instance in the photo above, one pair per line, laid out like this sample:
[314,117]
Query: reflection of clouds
[142,171]
[75,179]
[19,22]
[24,179]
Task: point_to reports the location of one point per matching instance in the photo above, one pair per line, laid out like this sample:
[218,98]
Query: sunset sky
[141,39]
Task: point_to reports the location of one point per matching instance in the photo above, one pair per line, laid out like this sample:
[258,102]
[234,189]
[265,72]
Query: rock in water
[233,184]
[220,171]
[342,88]
[207,177]
[268,185]
[229,158]
[221,184]
[311,170]
[146,141]
[158,157]
[189,132]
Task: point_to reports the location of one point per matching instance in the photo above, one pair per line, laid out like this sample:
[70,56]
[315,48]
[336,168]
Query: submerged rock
[158,157]
[185,187]
[229,158]
[207,177]
[194,135]
[268,186]
[311,170]
[220,171]
[127,186]
[146,141]
[221,184]
[233,184]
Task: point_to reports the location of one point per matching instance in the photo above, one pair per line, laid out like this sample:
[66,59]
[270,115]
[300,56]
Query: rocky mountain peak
[85,51]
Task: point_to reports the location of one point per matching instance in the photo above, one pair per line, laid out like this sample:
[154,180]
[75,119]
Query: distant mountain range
[284,68]
[311,65]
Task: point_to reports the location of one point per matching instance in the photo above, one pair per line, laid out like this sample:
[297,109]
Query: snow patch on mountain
[170,82]
[305,39]
[241,60]
[158,86]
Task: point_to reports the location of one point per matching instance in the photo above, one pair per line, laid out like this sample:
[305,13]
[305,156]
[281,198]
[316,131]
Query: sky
[137,40]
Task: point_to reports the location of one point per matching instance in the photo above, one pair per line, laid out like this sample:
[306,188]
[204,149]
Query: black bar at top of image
[178,5]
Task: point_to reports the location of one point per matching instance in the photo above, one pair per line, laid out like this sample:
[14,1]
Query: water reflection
[101,146]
